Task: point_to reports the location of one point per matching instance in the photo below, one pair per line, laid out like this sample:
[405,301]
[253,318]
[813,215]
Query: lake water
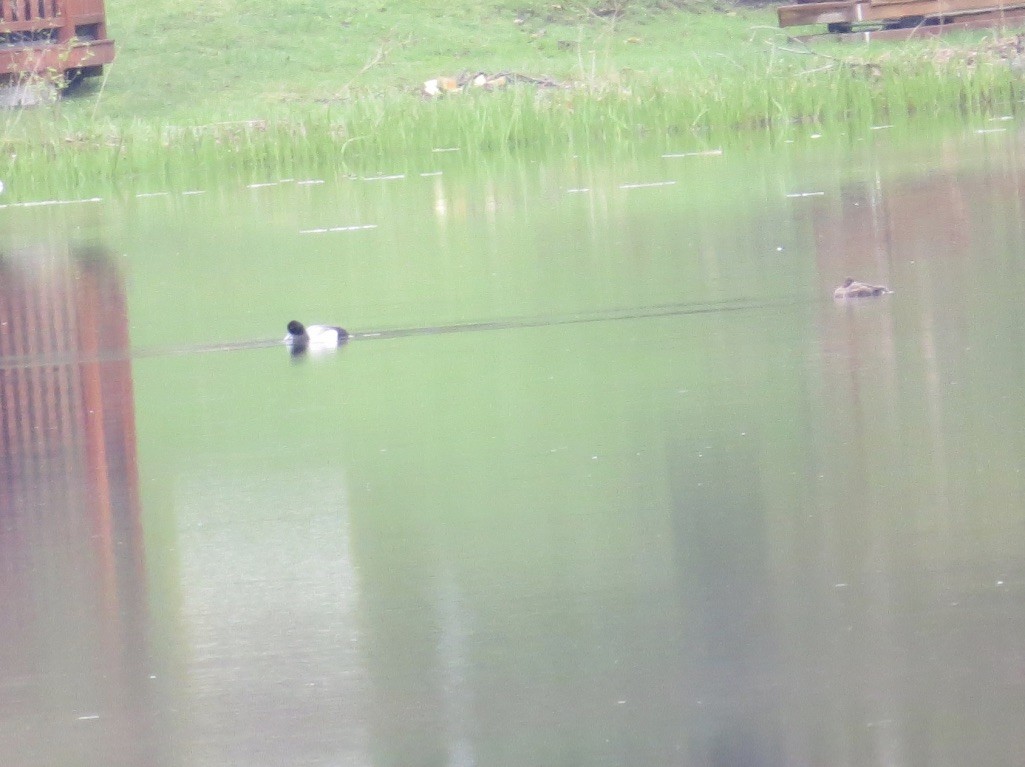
[606,477]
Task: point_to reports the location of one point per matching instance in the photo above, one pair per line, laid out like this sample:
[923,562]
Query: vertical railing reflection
[65,377]
[72,576]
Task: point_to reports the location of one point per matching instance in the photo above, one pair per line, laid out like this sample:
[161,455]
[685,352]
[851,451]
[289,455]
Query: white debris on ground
[439,86]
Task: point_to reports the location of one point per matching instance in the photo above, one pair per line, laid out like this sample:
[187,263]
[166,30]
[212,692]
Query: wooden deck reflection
[72,569]
[65,377]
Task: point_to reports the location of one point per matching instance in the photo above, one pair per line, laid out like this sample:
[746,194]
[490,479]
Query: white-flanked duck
[853,289]
[303,338]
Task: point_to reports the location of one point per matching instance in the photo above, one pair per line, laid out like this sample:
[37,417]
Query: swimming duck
[314,337]
[852,289]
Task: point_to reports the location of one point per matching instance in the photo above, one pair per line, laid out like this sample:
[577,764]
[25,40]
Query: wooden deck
[50,37]
[901,18]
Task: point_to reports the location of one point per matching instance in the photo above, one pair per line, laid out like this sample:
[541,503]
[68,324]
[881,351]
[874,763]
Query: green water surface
[606,477]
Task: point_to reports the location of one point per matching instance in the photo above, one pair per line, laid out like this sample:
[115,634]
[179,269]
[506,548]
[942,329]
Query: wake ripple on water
[512,323]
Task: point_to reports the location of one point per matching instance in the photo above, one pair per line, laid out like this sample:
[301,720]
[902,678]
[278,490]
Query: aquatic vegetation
[768,85]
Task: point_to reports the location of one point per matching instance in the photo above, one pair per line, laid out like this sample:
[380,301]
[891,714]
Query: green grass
[256,88]
[257,57]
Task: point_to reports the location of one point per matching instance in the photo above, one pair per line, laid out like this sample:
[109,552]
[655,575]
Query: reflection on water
[630,488]
[74,597]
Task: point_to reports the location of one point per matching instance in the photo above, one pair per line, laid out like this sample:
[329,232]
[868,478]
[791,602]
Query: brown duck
[853,289]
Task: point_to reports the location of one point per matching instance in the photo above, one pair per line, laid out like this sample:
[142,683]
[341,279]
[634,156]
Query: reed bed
[47,153]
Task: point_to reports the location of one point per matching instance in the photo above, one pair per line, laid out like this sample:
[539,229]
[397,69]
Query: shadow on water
[69,508]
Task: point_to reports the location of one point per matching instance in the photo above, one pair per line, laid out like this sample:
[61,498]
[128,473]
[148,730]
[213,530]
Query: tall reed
[710,101]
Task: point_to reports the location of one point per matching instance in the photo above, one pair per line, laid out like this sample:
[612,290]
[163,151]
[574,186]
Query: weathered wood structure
[53,39]
[901,18]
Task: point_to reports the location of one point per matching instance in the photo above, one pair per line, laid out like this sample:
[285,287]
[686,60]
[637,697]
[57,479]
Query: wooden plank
[854,13]
[1013,17]
[79,8]
[816,13]
[844,12]
[55,58]
[955,7]
[30,26]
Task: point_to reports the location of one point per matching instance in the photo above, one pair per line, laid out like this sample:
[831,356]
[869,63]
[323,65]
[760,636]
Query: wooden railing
[51,37]
[12,11]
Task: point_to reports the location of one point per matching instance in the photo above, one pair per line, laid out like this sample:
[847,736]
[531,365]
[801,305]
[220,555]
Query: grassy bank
[262,87]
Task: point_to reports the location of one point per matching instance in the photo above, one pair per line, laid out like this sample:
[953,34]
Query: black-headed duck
[314,337]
